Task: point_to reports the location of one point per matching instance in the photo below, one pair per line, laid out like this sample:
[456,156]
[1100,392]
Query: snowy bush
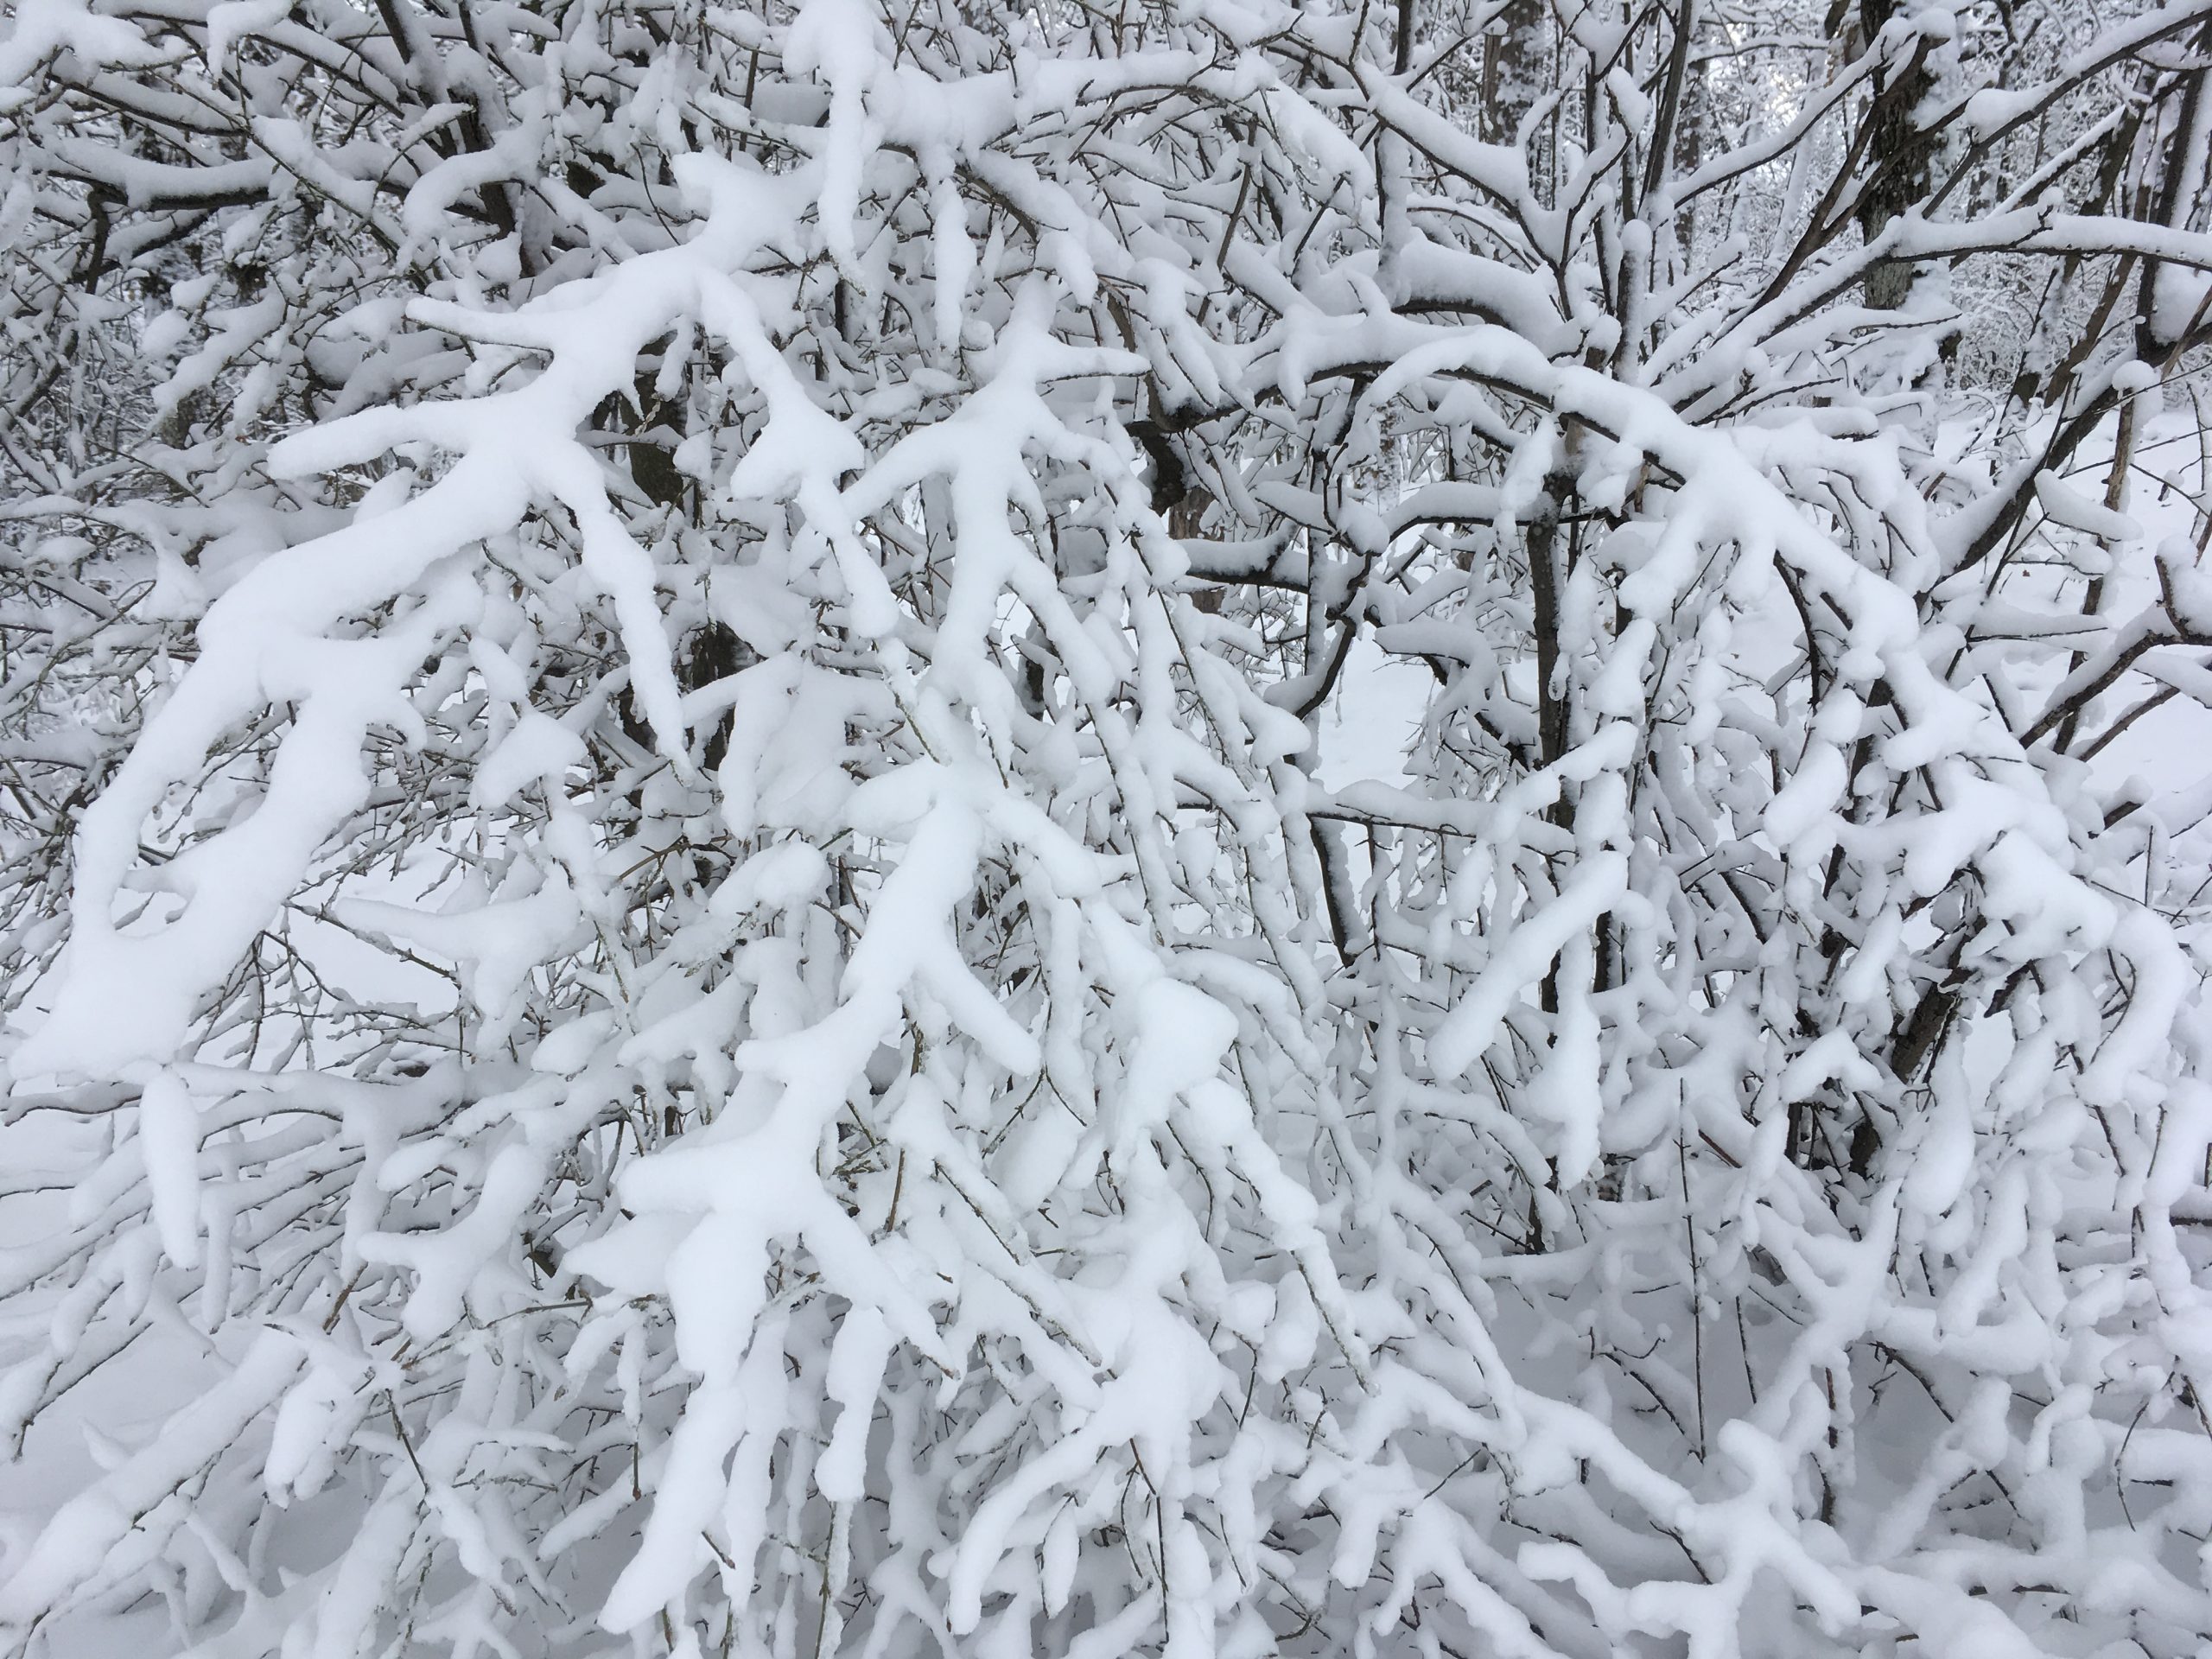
[699,962]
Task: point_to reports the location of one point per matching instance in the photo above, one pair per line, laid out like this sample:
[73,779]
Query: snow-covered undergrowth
[1227,828]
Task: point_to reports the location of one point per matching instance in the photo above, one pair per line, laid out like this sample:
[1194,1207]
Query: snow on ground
[1370,721]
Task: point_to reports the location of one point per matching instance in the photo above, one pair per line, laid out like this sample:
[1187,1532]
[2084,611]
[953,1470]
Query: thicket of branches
[680,978]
